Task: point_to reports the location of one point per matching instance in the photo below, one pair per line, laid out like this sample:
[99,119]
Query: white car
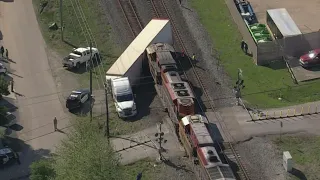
[3,69]
[79,56]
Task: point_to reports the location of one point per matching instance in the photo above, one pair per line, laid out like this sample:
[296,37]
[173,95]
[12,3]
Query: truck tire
[78,65]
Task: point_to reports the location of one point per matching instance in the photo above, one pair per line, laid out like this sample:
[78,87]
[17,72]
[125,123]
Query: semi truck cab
[123,97]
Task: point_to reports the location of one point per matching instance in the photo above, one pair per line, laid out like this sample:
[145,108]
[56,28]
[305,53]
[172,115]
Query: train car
[182,97]
[164,71]
[199,145]
[161,60]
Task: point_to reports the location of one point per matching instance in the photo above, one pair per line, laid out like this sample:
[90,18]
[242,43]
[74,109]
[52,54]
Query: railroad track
[193,75]
[131,16]
[196,76]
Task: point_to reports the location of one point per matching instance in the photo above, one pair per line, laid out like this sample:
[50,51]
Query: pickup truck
[79,56]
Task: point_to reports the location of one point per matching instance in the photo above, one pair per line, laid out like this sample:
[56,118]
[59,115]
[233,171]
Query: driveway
[36,94]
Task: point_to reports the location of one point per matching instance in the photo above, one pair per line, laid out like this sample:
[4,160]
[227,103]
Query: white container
[287,161]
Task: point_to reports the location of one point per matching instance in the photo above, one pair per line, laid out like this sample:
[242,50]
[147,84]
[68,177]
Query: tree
[3,130]
[42,170]
[4,85]
[84,154]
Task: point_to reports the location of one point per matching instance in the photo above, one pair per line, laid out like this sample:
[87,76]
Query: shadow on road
[15,75]
[175,166]
[70,44]
[145,93]
[84,109]
[6,1]
[16,127]
[27,156]
[297,173]
[8,103]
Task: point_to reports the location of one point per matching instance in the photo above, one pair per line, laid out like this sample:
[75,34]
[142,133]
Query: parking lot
[300,11]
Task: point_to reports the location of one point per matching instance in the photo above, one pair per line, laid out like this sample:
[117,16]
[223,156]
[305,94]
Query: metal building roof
[147,36]
[284,22]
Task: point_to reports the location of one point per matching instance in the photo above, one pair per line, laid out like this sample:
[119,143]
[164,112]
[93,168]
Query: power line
[91,34]
[82,32]
[88,30]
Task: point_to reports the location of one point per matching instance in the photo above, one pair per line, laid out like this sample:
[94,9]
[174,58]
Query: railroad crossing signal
[160,140]
[239,85]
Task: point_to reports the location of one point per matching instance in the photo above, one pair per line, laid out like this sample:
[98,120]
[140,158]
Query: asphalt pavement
[36,94]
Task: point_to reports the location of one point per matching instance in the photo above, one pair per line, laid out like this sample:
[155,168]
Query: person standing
[2,50]
[246,48]
[242,45]
[180,2]
[139,176]
[7,54]
[193,57]
[55,124]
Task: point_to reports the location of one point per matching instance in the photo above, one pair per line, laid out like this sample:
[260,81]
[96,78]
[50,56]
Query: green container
[260,33]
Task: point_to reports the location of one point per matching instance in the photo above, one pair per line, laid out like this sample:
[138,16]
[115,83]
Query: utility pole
[107,132]
[160,139]
[90,81]
[61,21]
[281,125]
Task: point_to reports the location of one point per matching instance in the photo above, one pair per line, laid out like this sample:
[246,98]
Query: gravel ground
[144,11]
[262,159]
[197,41]
[174,169]
[120,31]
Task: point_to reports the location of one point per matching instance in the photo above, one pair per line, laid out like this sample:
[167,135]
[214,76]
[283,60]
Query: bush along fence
[286,113]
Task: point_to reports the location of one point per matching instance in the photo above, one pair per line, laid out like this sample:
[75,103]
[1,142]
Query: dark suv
[77,98]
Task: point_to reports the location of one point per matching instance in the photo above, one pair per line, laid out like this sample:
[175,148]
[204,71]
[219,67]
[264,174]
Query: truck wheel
[78,65]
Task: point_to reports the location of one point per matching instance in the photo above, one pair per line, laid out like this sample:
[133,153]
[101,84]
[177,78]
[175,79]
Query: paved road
[34,85]
[237,123]
[143,144]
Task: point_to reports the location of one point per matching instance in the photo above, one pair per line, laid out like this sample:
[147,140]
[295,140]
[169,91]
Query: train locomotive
[193,130]
[164,71]
[194,134]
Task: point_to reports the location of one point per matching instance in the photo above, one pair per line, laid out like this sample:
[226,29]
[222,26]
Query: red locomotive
[193,129]
[164,71]
[199,144]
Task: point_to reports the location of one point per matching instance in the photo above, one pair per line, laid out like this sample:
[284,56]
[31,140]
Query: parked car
[77,98]
[79,56]
[7,119]
[3,69]
[7,155]
[312,58]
